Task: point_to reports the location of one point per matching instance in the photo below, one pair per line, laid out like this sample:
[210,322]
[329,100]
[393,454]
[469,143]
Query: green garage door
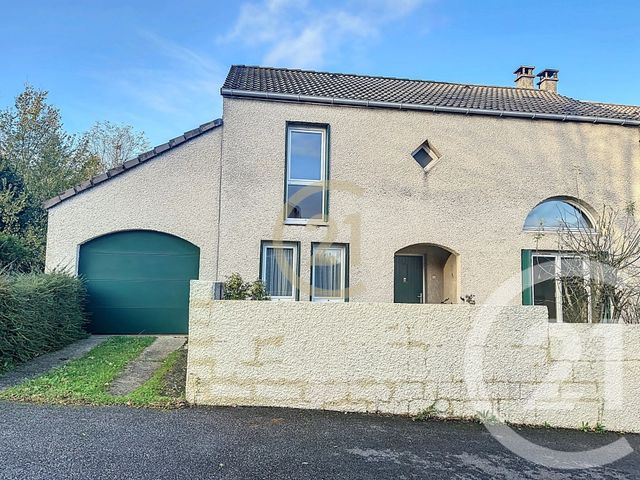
[138,282]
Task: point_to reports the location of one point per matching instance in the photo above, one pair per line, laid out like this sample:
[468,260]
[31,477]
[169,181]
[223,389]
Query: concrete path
[71,442]
[141,369]
[46,362]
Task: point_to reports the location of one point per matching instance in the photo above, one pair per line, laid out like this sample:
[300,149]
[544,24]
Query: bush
[39,313]
[16,256]
[237,289]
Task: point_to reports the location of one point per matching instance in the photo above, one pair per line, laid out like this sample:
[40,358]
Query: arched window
[557,213]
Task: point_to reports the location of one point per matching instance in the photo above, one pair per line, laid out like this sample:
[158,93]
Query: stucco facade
[473,201]
[223,191]
[175,193]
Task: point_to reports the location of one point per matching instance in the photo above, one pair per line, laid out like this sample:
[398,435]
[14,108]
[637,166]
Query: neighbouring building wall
[473,201]
[454,360]
[175,193]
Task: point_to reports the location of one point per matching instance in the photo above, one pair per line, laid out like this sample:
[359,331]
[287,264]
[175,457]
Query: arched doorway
[138,282]
[425,273]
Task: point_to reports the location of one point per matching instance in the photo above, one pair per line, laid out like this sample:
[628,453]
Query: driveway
[46,442]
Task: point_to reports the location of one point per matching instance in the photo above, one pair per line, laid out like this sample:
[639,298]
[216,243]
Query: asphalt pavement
[72,442]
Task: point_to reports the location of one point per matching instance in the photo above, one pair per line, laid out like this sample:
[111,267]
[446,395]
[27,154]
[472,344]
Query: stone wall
[453,360]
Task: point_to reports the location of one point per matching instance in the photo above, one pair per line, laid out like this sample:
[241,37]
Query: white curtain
[328,273]
[279,271]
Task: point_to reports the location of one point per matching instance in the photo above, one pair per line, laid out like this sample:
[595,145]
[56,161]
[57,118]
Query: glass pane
[422,157]
[603,292]
[305,157]
[279,271]
[327,272]
[304,201]
[575,296]
[554,214]
[544,284]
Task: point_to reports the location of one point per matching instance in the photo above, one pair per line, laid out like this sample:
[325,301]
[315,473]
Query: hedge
[39,313]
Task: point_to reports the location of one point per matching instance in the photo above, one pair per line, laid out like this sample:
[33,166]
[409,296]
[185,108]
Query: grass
[87,379]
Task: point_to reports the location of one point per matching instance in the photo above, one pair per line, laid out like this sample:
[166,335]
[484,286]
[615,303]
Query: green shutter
[527,287]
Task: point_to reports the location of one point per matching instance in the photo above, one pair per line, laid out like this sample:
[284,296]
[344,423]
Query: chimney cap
[524,70]
[550,73]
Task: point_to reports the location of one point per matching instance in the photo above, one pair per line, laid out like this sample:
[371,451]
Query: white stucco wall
[493,171]
[455,360]
[175,193]
[473,201]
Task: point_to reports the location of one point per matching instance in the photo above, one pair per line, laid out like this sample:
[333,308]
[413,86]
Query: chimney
[548,80]
[524,77]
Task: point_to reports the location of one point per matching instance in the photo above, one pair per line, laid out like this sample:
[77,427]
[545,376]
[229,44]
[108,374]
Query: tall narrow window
[306,174]
[329,265]
[280,270]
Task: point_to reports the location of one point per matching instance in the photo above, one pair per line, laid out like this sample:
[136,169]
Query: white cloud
[172,89]
[299,33]
[182,80]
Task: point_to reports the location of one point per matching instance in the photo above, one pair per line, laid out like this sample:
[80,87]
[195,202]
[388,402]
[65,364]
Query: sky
[158,66]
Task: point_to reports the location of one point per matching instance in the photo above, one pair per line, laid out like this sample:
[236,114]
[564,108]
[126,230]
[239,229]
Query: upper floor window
[557,214]
[426,155]
[306,189]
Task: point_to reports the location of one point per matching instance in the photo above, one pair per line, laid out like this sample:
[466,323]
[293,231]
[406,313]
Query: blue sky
[159,65]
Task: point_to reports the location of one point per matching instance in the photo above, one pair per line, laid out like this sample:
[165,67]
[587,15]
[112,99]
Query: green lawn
[87,379]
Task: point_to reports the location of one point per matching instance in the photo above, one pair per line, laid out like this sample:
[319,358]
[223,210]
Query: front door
[408,278]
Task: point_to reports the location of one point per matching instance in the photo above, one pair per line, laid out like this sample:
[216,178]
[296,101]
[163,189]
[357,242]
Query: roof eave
[227,92]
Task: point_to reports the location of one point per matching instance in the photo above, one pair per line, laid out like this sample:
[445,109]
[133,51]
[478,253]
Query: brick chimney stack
[548,80]
[524,78]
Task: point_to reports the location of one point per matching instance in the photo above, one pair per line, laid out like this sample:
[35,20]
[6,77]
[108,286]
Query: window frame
[323,129]
[431,152]
[575,204]
[344,249]
[295,283]
[558,256]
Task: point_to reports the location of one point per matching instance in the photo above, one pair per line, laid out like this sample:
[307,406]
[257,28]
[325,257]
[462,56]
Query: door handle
[420,298]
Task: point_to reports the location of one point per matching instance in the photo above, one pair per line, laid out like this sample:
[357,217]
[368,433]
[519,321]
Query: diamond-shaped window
[425,155]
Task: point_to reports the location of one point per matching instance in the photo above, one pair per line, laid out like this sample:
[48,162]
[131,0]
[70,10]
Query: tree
[114,144]
[13,200]
[34,143]
[39,159]
[604,281]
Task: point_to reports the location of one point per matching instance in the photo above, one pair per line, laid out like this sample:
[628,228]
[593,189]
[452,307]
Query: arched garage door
[138,282]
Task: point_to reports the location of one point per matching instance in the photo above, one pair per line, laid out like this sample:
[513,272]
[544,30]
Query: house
[336,187]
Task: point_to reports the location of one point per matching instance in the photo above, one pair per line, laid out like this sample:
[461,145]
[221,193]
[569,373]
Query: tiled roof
[338,88]
[134,162]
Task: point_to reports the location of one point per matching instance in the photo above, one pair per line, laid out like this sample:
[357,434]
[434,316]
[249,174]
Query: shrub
[39,313]
[237,289]
[15,255]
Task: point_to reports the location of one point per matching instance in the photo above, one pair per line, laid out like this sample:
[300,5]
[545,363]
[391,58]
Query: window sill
[301,221]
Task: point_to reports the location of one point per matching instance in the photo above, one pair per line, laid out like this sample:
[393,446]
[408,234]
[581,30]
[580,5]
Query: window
[554,214]
[425,155]
[329,265]
[306,189]
[279,270]
[560,282]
